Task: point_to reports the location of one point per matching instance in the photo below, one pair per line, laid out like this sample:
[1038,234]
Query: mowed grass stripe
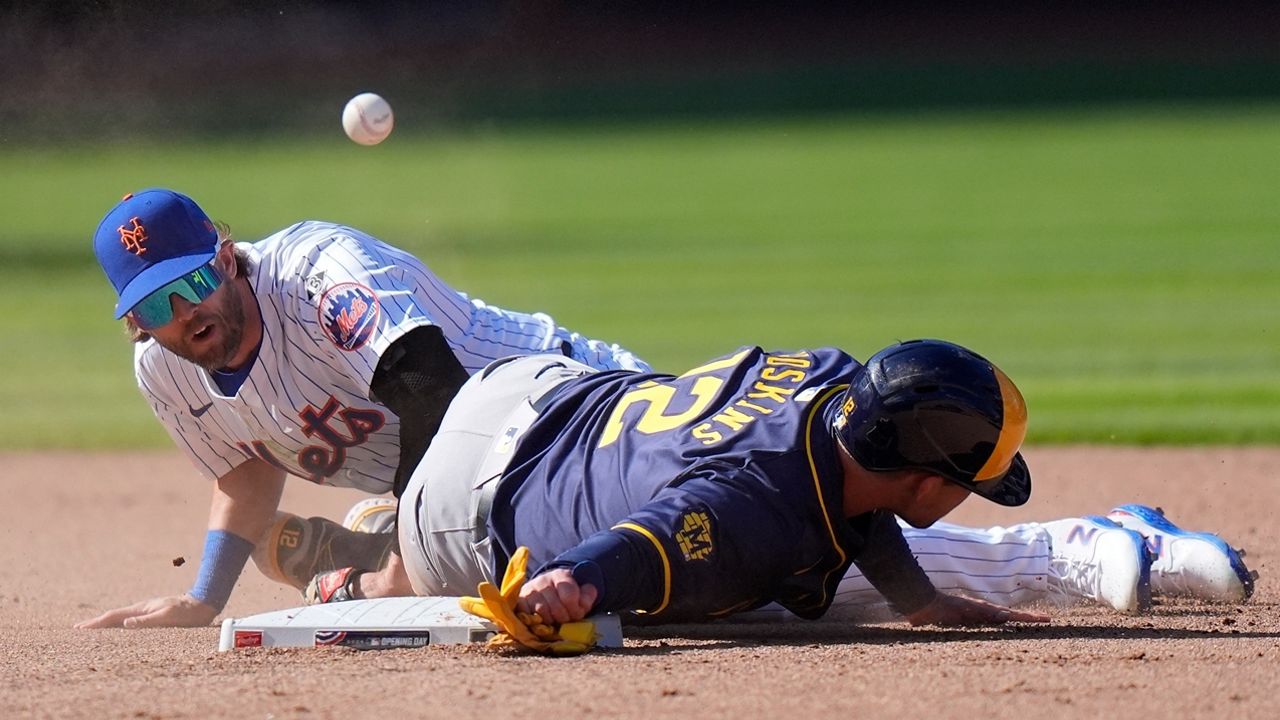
[1120,265]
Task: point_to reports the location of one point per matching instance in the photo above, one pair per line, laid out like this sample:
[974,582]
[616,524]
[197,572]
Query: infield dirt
[86,532]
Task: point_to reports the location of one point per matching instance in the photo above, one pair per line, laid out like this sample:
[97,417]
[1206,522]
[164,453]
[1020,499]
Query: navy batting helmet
[936,406]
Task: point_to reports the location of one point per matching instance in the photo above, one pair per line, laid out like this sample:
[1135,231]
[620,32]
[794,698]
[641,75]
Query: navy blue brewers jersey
[693,497]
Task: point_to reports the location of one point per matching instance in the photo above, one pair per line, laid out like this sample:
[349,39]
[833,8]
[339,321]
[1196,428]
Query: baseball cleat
[372,515]
[334,586]
[1188,564]
[1096,559]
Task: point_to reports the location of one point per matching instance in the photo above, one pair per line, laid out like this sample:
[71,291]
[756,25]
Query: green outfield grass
[1122,266]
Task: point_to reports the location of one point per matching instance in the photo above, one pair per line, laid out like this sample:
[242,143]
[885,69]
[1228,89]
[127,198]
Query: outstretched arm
[244,501]
[955,610]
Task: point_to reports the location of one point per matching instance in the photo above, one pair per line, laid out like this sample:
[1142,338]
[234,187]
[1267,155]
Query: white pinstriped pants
[1007,566]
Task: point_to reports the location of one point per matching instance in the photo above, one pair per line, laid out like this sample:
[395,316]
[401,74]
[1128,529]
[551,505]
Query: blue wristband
[224,557]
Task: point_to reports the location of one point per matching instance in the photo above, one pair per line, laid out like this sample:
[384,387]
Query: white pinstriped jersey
[332,300]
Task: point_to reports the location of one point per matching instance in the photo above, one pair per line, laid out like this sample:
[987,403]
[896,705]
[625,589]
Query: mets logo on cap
[134,238]
[349,314]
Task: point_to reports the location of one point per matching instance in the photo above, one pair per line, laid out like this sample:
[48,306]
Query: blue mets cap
[152,237]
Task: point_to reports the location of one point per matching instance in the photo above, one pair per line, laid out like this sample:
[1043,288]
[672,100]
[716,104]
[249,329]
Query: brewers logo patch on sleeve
[694,536]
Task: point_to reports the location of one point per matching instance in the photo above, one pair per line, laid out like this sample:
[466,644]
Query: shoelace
[1071,580]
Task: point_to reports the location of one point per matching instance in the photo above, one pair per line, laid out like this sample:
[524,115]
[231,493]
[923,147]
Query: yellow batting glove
[513,578]
[526,629]
[512,581]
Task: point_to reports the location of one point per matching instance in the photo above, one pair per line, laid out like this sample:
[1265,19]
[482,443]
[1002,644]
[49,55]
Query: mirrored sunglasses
[156,310]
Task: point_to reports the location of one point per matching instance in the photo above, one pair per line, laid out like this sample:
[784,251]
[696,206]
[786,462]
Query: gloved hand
[526,629]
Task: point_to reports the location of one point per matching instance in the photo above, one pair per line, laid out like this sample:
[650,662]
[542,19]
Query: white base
[376,624]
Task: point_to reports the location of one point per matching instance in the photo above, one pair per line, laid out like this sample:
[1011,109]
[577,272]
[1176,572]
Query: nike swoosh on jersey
[197,412]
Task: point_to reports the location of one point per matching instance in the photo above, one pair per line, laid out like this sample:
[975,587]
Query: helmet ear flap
[882,434]
[863,425]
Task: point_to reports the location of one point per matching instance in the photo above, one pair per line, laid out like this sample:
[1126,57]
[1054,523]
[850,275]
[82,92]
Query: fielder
[319,352]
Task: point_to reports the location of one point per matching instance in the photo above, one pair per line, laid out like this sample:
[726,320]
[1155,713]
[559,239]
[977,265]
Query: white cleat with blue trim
[1188,564]
[1094,558]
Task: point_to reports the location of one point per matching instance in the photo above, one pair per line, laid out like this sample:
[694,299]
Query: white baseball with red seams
[367,118]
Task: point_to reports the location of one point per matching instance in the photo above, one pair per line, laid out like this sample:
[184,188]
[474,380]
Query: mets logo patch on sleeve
[349,315]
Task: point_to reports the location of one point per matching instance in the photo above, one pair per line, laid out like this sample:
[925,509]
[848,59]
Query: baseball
[367,118]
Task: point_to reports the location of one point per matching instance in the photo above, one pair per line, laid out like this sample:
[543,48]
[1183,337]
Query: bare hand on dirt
[955,610]
[172,611]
